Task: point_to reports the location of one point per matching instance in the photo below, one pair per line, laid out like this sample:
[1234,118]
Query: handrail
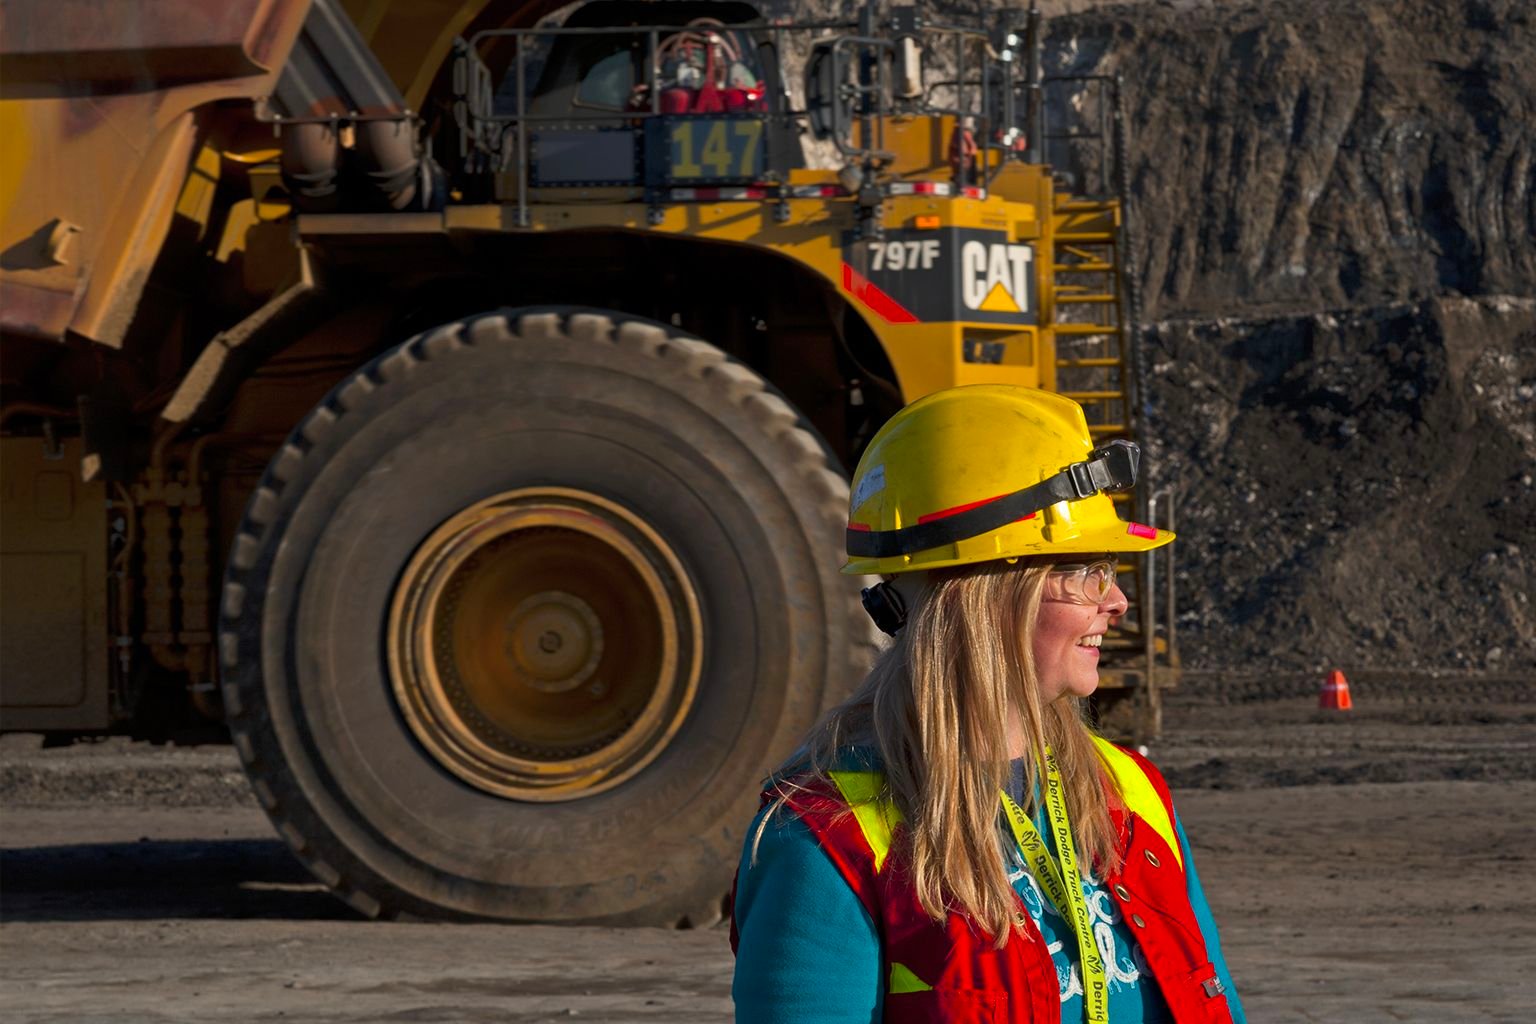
[860,55]
[1155,502]
[851,49]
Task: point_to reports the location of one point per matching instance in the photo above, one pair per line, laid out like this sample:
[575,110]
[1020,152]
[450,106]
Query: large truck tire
[523,611]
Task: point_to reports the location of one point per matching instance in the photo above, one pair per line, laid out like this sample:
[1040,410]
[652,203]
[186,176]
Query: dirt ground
[1376,865]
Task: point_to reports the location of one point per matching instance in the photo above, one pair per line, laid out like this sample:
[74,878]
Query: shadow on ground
[158,879]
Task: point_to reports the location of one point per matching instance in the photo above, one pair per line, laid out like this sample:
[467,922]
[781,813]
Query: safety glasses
[1077,583]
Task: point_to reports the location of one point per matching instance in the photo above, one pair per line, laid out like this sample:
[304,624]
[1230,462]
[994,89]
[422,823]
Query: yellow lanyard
[1066,898]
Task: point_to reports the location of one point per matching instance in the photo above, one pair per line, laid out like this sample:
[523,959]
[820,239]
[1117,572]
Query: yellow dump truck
[459,403]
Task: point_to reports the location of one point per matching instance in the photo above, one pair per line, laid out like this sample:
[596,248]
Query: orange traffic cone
[1335,693]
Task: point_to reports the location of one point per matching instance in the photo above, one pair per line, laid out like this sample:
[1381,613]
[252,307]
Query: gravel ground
[1374,865]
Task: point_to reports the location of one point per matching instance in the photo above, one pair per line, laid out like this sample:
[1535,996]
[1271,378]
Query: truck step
[1089,362]
[1082,329]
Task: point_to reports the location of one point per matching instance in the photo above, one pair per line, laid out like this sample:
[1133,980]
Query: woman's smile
[1067,640]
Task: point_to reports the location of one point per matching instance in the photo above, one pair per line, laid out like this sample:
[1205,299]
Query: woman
[953,843]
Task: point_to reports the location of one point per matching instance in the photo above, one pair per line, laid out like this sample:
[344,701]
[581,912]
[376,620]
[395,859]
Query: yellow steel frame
[926,356]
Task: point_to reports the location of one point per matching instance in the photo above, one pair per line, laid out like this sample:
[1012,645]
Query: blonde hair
[935,708]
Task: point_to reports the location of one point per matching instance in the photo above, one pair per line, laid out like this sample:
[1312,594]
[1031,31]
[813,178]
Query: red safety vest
[950,971]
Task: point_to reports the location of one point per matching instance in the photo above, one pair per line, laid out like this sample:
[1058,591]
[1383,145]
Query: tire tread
[818,474]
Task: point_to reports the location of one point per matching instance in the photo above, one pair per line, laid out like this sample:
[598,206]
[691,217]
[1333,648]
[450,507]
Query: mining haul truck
[459,403]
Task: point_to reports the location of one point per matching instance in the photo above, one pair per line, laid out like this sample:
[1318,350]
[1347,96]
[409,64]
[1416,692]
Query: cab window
[608,83]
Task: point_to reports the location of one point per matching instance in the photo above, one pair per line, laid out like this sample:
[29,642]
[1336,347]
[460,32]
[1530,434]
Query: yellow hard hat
[988,471]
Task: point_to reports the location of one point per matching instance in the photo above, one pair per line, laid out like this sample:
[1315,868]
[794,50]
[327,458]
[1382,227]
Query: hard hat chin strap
[1108,468]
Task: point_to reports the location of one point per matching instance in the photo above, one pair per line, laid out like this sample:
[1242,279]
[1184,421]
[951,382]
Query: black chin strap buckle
[886,606]
[1109,468]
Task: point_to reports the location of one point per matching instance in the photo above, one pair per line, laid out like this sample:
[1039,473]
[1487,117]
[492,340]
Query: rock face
[1337,215]
[1356,488]
[1309,154]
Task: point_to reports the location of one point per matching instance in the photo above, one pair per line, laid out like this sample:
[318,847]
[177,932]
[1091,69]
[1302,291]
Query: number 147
[716,149]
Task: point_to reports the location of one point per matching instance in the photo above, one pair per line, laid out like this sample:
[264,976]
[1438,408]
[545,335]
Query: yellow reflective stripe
[1139,795]
[876,819]
[903,980]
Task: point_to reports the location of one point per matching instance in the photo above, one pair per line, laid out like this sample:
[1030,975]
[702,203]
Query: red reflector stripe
[887,308]
[945,513]
[1137,530]
[816,191]
[860,527]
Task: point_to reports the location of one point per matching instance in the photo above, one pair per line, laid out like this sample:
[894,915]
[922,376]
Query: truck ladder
[1090,319]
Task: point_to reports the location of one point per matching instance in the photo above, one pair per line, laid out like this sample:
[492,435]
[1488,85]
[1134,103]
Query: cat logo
[994,277]
[952,275]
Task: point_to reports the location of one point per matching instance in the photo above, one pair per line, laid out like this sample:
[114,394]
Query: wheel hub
[554,641]
[544,644]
